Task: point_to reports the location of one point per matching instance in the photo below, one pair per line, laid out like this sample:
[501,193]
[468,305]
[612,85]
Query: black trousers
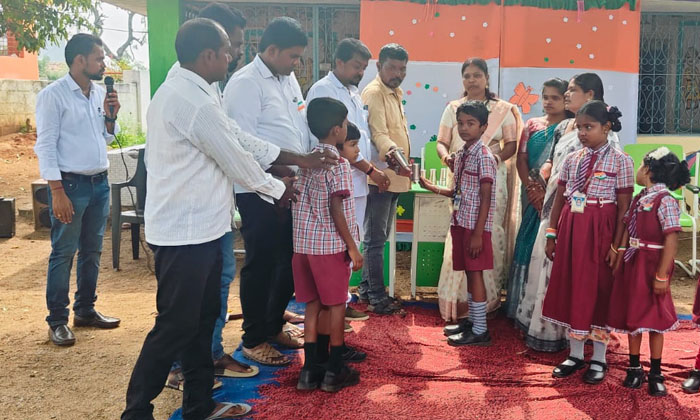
[267,283]
[188,301]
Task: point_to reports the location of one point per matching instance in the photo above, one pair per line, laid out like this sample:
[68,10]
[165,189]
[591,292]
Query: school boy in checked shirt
[474,197]
[325,245]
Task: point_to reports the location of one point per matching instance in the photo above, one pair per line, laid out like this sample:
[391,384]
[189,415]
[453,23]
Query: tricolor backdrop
[525,42]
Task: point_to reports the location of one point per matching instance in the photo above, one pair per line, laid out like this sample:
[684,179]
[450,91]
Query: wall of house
[23,68]
[18,102]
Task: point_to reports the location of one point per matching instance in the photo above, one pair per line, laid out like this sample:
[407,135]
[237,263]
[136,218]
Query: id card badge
[578,202]
[456,201]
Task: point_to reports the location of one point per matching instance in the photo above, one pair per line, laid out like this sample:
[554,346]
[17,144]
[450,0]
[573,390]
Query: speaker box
[7,217]
[40,204]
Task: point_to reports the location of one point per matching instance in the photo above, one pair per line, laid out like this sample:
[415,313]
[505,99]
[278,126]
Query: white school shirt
[70,129]
[330,87]
[269,107]
[193,156]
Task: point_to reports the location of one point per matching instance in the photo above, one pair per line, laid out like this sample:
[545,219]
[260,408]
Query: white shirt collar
[265,71]
[196,79]
[337,83]
[74,86]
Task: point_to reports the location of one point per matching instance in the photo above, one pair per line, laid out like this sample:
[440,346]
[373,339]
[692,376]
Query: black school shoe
[310,378]
[634,378]
[334,382]
[468,338]
[562,371]
[464,324]
[656,385]
[692,384]
[353,355]
[594,377]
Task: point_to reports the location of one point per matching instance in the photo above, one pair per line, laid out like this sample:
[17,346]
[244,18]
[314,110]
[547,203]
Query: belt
[599,201]
[636,243]
[81,177]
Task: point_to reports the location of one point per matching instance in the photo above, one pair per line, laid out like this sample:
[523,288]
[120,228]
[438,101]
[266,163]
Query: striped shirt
[193,156]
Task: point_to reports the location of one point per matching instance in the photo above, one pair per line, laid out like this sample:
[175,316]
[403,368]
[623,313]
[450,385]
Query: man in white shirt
[265,99]
[193,156]
[76,119]
[351,59]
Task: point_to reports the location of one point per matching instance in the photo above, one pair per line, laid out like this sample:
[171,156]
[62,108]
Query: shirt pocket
[606,182]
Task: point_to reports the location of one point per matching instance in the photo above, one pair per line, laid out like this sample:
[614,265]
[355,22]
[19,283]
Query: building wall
[18,103]
[18,64]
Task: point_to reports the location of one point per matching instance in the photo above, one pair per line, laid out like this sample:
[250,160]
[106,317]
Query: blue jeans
[381,209]
[228,272]
[90,198]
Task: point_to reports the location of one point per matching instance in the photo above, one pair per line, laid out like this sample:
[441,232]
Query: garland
[542,4]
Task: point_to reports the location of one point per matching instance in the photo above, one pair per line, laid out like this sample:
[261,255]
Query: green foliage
[36,23]
[129,135]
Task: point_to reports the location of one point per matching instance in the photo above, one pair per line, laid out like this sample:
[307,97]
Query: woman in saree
[541,335]
[504,128]
[534,150]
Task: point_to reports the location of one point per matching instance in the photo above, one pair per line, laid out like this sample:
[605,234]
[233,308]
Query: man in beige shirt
[387,125]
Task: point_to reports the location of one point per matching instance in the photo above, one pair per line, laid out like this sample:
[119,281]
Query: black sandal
[564,370]
[594,377]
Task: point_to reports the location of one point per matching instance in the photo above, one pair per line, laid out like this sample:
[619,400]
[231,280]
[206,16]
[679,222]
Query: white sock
[576,350]
[599,350]
[478,316]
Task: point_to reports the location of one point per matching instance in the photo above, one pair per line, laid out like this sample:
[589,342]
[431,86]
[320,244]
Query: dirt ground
[88,380]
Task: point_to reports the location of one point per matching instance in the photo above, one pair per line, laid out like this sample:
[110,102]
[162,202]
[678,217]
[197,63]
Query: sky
[115,27]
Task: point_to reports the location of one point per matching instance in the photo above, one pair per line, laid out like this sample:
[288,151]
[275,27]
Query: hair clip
[659,153]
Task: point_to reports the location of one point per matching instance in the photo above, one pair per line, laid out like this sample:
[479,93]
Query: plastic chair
[134,217]
[688,222]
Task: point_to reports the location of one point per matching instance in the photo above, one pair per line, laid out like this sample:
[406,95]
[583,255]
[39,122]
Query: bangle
[110,120]
[370,170]
[622,248]
[661,279]
[550,235]
[612,248]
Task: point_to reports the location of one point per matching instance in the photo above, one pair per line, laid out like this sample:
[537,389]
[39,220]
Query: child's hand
[426,184]
[660,287]
[475,244]
[356,259]
[290,193]
[612,258]
[380,178]
[549,249]
[618,261]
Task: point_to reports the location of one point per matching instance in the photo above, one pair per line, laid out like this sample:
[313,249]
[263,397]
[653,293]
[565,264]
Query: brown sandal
[287,339]
[267,355]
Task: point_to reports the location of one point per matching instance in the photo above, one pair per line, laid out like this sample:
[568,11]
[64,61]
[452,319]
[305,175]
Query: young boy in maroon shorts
[474,200]
[325,245]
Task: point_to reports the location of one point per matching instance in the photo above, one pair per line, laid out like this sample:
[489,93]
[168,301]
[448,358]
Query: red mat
[412,373]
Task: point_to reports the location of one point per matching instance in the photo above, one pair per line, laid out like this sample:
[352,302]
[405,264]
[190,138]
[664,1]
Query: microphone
[109,84]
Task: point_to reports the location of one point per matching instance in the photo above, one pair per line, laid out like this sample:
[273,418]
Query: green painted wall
[164,17]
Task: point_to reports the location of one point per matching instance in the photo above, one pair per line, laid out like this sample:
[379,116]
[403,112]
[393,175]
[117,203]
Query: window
[3,45]
[669,74]
[331,23]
